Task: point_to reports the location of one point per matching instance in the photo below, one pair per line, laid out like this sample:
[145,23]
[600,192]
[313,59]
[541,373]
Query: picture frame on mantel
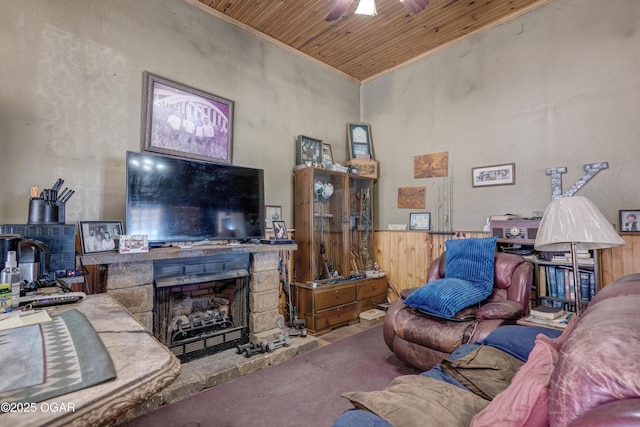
[360,141]
[486,176]
[280,230]
[100,236]
[272,213]
[183,121]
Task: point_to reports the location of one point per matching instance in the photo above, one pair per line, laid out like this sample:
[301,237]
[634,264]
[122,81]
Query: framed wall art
[272,213]
[486,176]
[308,151]
[100,236]
[360,142]
[183,121]
[630,220]
[412,197]
[420,221]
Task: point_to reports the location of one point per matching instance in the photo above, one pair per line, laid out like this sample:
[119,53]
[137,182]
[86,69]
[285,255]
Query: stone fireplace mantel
[129,279]
[175,252]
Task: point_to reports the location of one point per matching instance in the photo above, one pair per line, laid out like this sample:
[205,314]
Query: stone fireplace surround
[129,279]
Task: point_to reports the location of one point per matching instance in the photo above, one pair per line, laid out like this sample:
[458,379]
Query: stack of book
[553,317]
[546,312]
[583,257]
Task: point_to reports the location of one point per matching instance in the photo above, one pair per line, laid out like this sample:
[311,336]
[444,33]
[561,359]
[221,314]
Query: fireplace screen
[201,308]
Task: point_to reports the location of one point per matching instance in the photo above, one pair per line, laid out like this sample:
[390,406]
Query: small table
[143,368]
[558,323]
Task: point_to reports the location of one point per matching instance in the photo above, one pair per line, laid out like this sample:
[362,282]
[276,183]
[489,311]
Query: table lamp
[574,224]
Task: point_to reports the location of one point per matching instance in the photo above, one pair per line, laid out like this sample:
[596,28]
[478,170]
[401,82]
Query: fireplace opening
[201,307]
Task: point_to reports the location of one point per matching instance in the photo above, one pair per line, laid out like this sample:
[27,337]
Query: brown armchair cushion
[500,310]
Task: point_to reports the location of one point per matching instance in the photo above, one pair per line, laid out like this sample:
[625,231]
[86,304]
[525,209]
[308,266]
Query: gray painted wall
[559,86]
[71,96]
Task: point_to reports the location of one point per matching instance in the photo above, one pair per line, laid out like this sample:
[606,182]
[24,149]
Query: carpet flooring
[302,391]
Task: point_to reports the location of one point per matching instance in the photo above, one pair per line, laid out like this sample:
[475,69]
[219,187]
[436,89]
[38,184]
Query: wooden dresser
[328,306]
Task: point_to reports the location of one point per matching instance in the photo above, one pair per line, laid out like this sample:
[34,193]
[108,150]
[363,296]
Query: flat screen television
[179,200]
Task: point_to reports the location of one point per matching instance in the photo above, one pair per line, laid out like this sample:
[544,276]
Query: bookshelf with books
[554,280]
[553,276]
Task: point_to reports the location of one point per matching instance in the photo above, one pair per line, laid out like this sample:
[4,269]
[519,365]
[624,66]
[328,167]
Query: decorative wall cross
[590,170]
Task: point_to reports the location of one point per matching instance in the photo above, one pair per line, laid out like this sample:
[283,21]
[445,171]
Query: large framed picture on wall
[184,121]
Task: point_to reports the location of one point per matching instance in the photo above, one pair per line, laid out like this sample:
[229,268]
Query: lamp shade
[576,219]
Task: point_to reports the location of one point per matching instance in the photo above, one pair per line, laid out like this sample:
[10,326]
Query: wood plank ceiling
[365,47]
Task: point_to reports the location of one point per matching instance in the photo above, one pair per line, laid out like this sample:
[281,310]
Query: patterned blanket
[43,361]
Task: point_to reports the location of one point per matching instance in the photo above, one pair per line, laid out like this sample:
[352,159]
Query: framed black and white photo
[360,142]
[486,176]
[308,151]
[100,236]
[280,230]
[420,221]
[630,220]
[183,121]
[272,213]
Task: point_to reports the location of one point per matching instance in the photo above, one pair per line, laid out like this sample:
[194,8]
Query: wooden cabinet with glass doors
[334,234]
[334,225]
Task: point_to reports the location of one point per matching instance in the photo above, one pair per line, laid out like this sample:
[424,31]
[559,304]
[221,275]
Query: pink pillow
[525,403]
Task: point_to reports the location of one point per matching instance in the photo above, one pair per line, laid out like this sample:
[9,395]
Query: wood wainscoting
[405,256]
[620,261]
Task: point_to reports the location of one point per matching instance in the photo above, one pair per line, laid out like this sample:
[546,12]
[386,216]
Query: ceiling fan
[340,6]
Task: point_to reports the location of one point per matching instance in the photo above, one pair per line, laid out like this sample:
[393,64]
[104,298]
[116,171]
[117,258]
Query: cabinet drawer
[336,316]
[372,288]
[331,297]
[371,303]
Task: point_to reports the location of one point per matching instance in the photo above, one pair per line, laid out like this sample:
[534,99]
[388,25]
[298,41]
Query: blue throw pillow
[471,260]
[468,278]
[517,340]
[445,297]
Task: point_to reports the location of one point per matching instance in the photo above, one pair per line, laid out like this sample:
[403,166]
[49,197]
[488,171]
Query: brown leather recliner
[423,341]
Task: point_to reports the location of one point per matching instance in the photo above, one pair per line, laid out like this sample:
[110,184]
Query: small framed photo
[630,220]
[186,122]
[360,142]
[272,213]
[327,155]
[280,230]
[308,151]
[133,243]
[486,176]
[420,221]
[100,236]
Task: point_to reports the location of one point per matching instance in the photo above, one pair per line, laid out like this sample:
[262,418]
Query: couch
[586,375]
[422,340]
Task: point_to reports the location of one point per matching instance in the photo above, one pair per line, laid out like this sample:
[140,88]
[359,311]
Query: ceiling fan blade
[415,6]
[338,8]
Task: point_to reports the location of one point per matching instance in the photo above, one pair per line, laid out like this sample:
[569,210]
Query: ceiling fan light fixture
[366,7]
